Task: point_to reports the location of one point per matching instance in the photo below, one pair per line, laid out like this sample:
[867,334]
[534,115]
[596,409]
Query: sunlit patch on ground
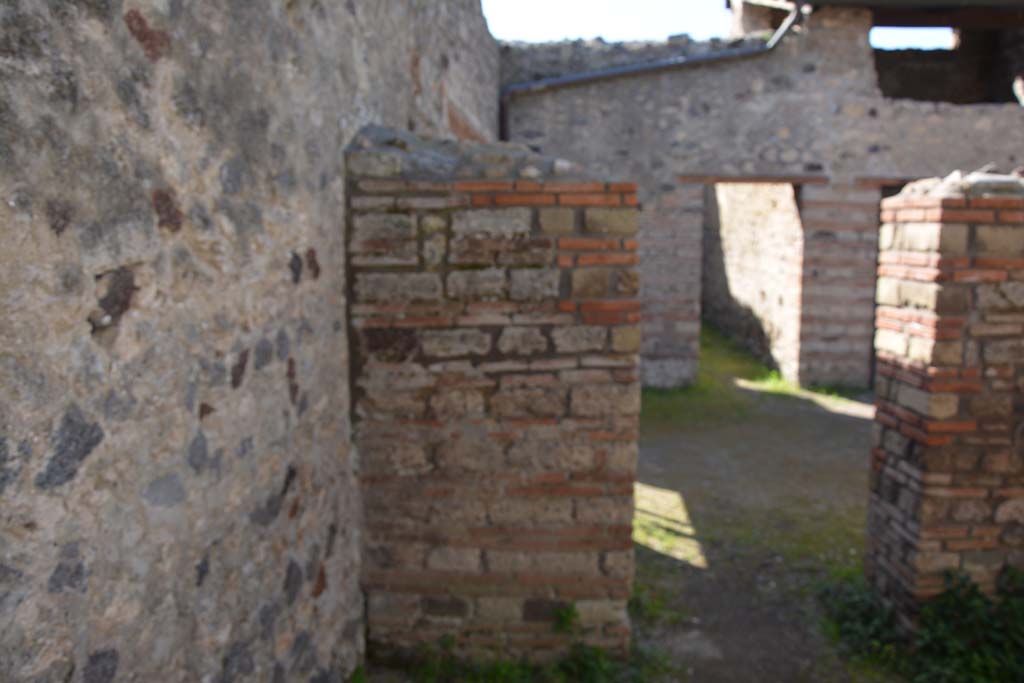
[662,523]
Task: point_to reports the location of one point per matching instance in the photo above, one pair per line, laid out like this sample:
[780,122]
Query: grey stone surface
[174,417]
[812,108]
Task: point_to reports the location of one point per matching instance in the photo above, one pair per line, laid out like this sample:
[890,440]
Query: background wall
[753,247]
[177,495]
[810,108]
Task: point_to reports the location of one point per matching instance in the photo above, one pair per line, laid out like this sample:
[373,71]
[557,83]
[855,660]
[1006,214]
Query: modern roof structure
[899,4]
[982,14]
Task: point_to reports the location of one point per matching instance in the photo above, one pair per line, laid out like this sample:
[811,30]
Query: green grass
[583,664]
[728,380]
[714,396]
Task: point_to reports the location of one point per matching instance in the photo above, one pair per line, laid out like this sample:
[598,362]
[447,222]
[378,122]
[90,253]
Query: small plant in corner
[962,636]
[567,619]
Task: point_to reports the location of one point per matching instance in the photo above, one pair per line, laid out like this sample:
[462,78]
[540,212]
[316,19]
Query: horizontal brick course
[495,403]
[949,376]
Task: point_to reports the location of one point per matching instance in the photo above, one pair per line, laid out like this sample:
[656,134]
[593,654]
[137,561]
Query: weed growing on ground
[963,636]
[582,664]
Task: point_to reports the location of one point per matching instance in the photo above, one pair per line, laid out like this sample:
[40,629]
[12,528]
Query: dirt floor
[751,494]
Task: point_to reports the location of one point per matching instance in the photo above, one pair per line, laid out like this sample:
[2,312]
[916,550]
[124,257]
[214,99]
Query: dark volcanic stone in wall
[173,420]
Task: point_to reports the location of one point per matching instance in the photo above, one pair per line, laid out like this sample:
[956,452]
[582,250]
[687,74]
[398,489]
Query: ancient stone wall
[810,110]
[753,267]
[177,494]
[947,481]
[496,395]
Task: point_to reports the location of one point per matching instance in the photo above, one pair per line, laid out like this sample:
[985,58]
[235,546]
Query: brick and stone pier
[494,321]
[947,484]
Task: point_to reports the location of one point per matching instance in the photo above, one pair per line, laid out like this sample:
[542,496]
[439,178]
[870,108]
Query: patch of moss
[729,379]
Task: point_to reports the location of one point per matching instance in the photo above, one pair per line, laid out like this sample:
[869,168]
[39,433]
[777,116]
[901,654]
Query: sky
[616,20]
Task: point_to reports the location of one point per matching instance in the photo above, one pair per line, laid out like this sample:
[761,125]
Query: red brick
[950,426]
[1005,263]
[528,186]
[607,260]
[483,186]
[977,275]
[630,200]
[887,419]
[1011,216]
[587,244]
[955,387]
[573,187]
[623,305]
[567,306]
[926,439]
[566,260]
[610,318]
[997,203]
[481,200]
[629,245]
[524,199]
[946,215]
[584,199]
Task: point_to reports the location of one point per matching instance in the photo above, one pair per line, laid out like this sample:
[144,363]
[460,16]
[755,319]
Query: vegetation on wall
[963,636]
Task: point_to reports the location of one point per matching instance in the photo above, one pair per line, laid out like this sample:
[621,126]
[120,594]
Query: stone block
[508,610]
[618,564]
[936,406]
[1003,240]
[534,284]
[434,248]
[579,338]
[397,287]
[891,341]
[492,223]
[383,226]
[457,403]
[558,221]
[591,283]
[606,399]
[599,612]
[626,339]
[578,563]
[531,454]
[454,343]
[971,511]
[611,510]
[522,341]
[454,559]
[432,222]
[947,238]
[489,283]
[469,451]
[612,221]
[518,511]
[887,292]
[527,401]
[936,562]
[1011,511]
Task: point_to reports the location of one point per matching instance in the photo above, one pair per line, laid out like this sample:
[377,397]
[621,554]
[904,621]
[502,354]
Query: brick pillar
[947,484]
[837,310]
[671,233]
[494,316]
